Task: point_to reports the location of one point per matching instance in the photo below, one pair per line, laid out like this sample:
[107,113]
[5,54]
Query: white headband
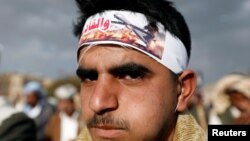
[133,30]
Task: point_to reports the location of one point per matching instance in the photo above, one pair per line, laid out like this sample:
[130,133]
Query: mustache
[107,120]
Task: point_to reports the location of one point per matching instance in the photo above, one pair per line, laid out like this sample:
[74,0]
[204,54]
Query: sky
[36,36]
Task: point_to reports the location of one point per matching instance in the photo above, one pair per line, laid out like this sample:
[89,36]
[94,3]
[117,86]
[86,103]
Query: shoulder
[187,129]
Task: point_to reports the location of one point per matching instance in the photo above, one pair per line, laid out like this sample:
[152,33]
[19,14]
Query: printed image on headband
[118,28]
[131,29]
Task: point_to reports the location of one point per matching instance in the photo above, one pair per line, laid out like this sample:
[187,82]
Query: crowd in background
[44,118]
[57,117]
[225,102]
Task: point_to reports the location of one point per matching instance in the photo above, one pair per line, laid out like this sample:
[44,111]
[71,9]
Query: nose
[104,96]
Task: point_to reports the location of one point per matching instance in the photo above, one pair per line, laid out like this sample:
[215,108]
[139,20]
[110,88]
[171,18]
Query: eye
[130,72]
[87,76]
[133,75]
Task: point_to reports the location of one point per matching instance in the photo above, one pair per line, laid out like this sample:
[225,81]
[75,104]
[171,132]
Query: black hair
[155,10]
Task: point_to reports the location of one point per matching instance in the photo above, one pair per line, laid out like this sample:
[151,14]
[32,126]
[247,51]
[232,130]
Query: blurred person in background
[239,95]
[64,124]
[37,107]
[222,112]
[15,125]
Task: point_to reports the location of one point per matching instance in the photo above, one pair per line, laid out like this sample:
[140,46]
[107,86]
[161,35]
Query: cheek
[150,111]
[30,99]
[240,103]
[85,97]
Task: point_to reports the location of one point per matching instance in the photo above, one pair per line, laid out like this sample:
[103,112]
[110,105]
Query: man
[239,95]
[64,124]
[15,125]
[222,112]
[37,107]
[135,85]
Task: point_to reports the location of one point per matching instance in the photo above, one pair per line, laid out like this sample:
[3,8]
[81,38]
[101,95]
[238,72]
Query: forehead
[103,58]
[31,95]
[113,54]
[65,100]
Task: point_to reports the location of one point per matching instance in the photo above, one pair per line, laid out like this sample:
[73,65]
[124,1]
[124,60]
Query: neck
[169,134]
[172,131]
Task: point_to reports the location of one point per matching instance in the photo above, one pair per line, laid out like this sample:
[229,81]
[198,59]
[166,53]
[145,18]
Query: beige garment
[84,135]
[201,117]
[187,129]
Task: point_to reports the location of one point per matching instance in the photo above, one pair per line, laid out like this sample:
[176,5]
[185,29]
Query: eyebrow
[129,68]
[118,71]
[82,72]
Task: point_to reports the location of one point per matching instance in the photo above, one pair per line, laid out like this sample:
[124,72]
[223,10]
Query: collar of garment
[187,129]
[35,112]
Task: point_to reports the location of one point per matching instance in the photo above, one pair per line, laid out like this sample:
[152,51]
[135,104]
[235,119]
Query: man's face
[67,106]
[239,100]
[32,99]
[126,95]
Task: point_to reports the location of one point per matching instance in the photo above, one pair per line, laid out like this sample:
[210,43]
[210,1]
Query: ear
[187,81]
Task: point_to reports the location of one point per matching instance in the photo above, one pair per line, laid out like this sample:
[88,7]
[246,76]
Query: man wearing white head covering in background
[63,125]
[222,112]
[37,107]
[239,96]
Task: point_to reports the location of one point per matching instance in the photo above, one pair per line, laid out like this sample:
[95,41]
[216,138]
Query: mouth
[107,131]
